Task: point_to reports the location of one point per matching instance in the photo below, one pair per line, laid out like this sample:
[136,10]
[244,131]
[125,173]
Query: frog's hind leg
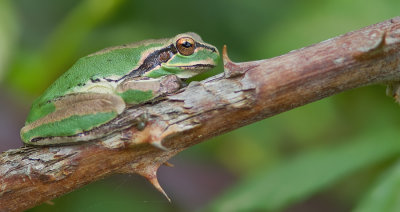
[73,115]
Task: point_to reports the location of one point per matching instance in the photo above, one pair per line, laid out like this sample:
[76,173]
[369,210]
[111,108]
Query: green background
[338,154]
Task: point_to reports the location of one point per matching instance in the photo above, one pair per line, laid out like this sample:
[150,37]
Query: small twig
[245,93]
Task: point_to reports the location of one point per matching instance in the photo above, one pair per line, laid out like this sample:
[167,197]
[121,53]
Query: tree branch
[245,93]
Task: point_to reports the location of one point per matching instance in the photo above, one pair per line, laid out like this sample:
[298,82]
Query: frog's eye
[185,46]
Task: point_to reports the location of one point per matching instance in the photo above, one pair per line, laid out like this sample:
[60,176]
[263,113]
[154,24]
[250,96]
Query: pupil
[186,44]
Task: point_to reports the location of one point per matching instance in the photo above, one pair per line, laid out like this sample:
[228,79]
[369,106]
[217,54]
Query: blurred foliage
[385,195]
[343,146]
[308,173]
[106,196]
[60,46]
[8,34]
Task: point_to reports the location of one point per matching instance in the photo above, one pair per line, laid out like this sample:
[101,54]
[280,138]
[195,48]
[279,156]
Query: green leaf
[385,195]
[308,173]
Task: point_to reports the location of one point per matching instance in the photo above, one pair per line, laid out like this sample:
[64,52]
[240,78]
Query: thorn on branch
[232,69]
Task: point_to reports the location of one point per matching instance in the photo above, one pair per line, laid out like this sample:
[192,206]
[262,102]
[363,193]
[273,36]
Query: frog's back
[108,64]
[105,65]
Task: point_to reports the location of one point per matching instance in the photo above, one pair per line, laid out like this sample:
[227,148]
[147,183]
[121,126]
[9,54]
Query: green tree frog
[98,87]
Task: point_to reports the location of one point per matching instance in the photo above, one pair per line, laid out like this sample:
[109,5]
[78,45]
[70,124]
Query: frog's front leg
[139,90]
[73,115]
[393,90]
[143,89]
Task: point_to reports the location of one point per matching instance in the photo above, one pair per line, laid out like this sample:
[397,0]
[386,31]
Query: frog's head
[185,56]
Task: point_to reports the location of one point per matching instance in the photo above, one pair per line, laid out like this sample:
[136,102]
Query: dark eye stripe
[206,47]
[151,61]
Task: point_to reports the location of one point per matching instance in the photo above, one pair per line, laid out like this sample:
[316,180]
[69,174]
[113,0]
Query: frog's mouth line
[196,66]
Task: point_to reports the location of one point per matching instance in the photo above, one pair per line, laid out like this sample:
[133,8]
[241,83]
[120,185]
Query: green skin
[98,87]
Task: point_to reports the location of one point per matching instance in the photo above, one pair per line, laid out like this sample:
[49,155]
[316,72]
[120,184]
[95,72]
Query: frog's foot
[393,90]
[141,121]
[170,84]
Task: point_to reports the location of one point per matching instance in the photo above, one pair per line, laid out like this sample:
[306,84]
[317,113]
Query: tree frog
[98,87]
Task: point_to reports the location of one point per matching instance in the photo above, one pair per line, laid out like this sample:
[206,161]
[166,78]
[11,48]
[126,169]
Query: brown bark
[245,93]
